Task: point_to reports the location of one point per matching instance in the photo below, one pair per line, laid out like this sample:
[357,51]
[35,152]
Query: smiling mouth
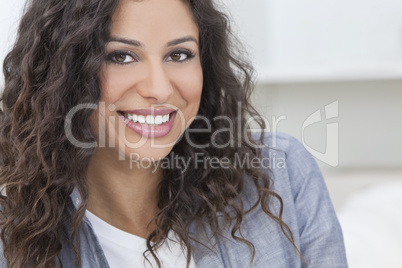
[149,123]
[157,119]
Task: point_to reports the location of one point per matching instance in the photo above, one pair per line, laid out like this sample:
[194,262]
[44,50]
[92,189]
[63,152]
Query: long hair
[53,67]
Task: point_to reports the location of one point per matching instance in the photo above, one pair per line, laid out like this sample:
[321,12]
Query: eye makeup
[123,57]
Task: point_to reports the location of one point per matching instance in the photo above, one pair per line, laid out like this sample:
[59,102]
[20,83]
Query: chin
[145,154]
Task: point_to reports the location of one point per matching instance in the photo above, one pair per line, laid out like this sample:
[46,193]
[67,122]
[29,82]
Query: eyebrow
[182,40]
[136,43]
[130,42]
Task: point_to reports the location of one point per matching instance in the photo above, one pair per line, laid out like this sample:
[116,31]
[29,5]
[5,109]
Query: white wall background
[310,53]
[322,39]
[370,128]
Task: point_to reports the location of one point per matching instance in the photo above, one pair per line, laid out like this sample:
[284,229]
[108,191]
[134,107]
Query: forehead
[162,18]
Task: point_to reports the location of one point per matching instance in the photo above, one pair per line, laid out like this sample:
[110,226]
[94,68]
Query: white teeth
[149,119]
[166,118]
[158,120]
[141,119]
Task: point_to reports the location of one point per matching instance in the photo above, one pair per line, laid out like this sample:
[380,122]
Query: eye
[120,57]
[180,56]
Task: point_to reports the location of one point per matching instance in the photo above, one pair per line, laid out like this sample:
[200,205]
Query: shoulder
[285,145]
[296,175]
[307,206]
[289,163]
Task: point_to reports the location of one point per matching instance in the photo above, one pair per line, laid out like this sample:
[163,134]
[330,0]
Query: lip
[151,111]
[147,130]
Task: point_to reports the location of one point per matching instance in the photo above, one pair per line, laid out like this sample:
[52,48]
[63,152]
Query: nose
[156,84]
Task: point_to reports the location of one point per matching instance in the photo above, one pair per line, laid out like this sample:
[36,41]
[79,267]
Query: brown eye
[120,58]
[178,56]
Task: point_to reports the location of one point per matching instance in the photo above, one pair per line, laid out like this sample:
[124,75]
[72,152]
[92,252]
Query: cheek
[114,82]
[190,84]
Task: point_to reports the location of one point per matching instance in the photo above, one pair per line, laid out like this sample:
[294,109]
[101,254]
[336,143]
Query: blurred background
[330,74]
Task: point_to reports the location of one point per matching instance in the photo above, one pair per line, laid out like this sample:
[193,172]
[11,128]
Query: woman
[124,143]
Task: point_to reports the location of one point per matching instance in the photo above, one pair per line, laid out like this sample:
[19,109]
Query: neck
[124,197]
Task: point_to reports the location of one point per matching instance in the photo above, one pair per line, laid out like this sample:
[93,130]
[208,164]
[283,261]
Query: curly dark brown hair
[51,69]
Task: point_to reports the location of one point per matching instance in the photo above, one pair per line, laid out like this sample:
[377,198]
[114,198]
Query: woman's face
[151,81]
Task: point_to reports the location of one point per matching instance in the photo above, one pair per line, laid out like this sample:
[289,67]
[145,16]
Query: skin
[155,73]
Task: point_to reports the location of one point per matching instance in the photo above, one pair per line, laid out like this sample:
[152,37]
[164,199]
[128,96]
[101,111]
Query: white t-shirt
[123,249]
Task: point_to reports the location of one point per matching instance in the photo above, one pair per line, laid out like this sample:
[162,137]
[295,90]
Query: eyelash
[190,54]
[111,57]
